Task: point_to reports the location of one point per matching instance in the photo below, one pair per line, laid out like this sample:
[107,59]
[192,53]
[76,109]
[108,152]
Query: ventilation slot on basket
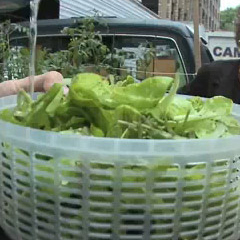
[70,195]
[101,178]
[43,157]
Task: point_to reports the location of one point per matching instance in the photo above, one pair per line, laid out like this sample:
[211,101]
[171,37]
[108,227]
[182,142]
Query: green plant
[57,61]
[12,59]
[147,55]
[86,46]
[86,53]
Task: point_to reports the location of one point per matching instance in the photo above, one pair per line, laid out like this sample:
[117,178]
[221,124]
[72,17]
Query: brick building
[182,10]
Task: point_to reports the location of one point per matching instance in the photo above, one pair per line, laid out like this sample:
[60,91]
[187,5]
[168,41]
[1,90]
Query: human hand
[42,83]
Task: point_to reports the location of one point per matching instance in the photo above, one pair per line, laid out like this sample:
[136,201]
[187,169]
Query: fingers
[49,79]
[42,83]
[8,88]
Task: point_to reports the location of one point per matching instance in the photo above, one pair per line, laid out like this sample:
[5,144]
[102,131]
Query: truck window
[151,56]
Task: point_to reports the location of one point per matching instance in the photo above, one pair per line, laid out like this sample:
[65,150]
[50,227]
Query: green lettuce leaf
[90,90]
[142,95]
[161,109]
[197,103]
[212,121]
[213,107]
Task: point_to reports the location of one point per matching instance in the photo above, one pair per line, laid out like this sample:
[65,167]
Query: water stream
[34,6]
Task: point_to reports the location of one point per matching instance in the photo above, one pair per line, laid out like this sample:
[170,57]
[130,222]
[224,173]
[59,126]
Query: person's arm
[42,83]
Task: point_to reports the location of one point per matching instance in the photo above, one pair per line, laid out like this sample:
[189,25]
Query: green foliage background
[228,19]
[86,52]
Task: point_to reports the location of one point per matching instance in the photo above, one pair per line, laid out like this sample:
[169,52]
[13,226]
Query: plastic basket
[66,187]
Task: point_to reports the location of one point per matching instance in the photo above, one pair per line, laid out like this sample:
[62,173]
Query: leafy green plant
[57,61]
[17,63]
[86,53]
[147,55]
[12,60]
[86,45]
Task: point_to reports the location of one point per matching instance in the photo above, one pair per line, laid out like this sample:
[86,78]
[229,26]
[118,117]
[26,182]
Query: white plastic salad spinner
[66,187]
